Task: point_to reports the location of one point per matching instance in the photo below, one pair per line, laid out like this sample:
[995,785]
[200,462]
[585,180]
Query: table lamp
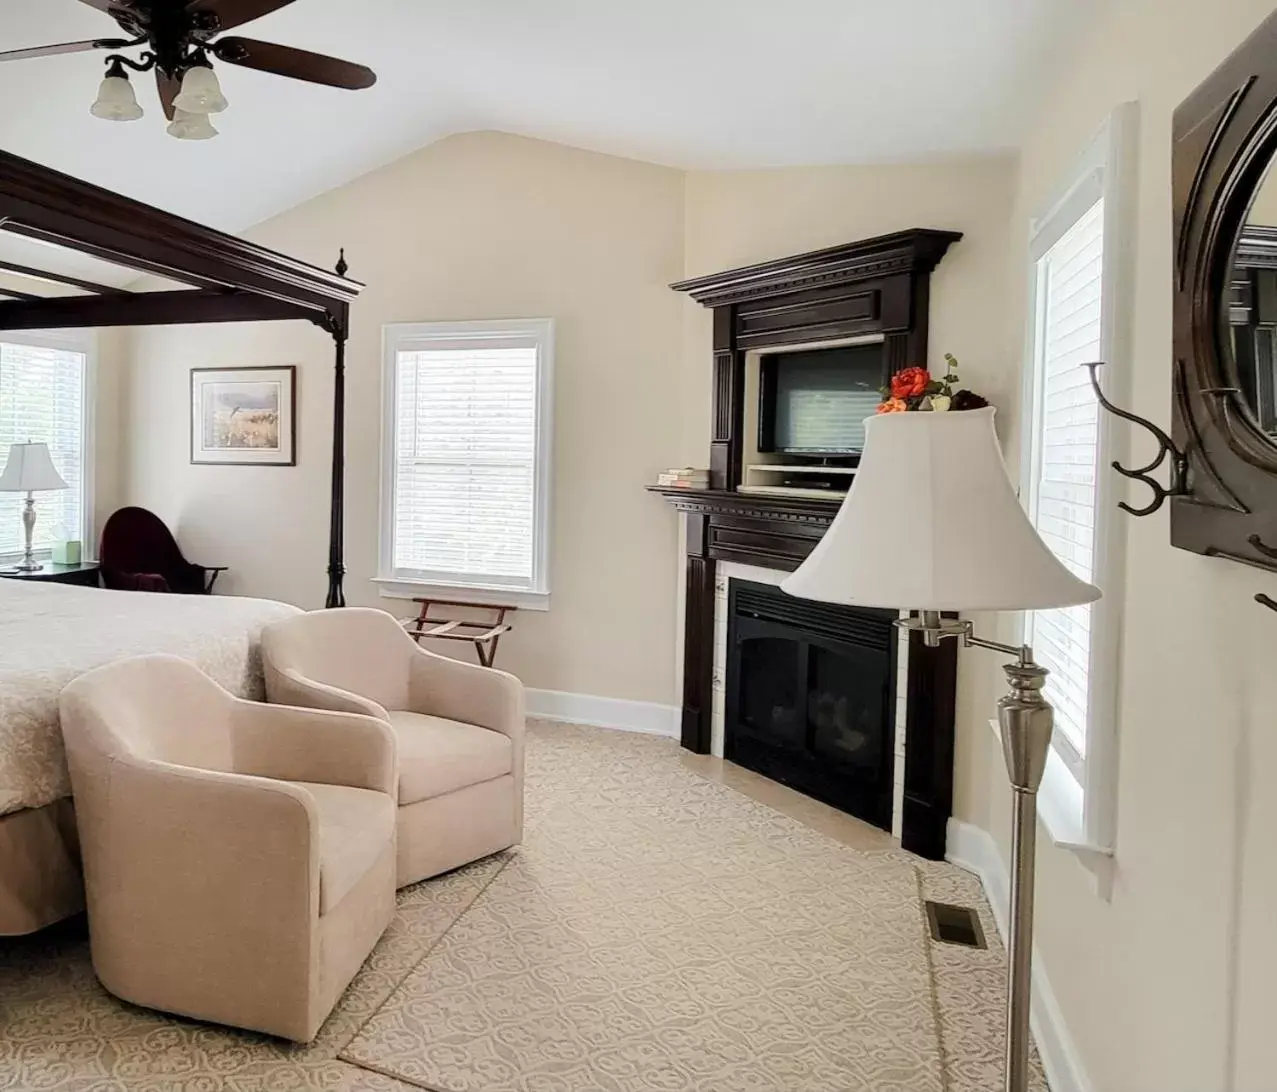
[932,524]
[29,470]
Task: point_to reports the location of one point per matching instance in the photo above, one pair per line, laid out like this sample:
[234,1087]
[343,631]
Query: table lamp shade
[30,469]
[933,523]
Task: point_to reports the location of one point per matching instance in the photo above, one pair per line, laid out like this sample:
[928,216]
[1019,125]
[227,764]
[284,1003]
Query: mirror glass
[1250,308]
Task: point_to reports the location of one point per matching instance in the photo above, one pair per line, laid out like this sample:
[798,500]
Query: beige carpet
[657,931]
[660,931]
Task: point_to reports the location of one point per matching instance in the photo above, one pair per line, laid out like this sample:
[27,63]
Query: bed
[49,634]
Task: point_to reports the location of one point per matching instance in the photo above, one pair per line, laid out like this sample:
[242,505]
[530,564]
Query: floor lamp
[932,524]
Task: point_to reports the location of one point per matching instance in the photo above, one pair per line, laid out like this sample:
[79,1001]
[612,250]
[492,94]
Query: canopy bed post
[336,565]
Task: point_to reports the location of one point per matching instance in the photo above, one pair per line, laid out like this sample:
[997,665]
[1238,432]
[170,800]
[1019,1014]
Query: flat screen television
[815,402]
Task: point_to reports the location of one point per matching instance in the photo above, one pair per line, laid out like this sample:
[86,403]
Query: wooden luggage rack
[483,633]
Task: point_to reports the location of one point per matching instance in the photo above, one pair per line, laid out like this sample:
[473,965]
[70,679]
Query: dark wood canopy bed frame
[228,279]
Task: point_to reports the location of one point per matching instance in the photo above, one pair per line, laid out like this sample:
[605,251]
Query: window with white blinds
[466,491]
[1068,332]
[1081,278]
[43,398]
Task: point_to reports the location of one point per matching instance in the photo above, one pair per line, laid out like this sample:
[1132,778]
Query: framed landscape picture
[244,416]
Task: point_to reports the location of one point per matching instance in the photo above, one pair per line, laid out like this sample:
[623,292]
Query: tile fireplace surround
[727,571]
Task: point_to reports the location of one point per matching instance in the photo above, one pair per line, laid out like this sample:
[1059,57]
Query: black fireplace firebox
[811,697]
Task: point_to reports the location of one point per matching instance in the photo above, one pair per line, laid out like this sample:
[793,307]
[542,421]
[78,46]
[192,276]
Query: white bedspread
[50,633]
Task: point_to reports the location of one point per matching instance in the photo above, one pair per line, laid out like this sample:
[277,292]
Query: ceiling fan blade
[169,89]
[232,13]
[64,47]
[294,63]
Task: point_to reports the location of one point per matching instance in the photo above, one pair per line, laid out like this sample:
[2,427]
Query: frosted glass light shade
[201,92]
[186,126]
[29,469]
[116,101]
[932,523]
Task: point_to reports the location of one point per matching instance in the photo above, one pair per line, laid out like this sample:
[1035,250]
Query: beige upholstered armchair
[239,858]
[459,728]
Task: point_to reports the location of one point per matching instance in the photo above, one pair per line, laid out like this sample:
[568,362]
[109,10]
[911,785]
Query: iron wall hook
[1267,601]
[1167,451]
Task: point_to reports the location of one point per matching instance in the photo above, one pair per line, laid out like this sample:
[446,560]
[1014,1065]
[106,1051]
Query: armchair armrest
[330,748]
[460,691]
[290,687]
[237,854]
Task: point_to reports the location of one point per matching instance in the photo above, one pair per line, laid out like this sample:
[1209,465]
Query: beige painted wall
[477,226]
[735,218]
[1167,985]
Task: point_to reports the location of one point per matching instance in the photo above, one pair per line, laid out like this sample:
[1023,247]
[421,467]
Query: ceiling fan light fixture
[201,92]
[116,99]
[188,126]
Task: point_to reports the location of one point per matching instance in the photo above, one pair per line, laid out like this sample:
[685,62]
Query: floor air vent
[955,924]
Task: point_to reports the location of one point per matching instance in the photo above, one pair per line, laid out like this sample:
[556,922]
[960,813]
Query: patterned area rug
[660,931]
[656,932]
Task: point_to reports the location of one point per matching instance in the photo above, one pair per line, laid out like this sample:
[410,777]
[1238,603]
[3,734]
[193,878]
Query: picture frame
[245,416]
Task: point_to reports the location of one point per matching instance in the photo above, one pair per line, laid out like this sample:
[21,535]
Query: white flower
[940,402]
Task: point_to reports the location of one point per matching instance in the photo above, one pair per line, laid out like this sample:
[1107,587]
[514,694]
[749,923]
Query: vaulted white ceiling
[690,83]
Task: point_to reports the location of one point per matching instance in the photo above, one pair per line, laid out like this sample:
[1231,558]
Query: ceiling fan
[181,39]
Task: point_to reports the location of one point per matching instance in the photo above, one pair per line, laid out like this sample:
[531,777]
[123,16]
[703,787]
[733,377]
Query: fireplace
[810,697]
[802,708]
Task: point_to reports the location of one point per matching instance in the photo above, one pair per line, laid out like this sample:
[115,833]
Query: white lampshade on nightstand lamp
[29,470]
[932,524]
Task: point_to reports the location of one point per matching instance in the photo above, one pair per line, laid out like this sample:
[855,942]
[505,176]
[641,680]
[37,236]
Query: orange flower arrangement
[913,389]
[910,383]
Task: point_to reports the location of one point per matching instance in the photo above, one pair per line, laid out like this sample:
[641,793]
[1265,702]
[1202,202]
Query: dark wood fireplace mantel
[877,286]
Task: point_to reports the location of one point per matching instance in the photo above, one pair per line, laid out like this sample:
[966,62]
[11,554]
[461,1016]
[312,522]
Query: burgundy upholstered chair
[139,553]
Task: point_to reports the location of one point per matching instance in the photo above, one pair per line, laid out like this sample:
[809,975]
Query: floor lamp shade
[932,522]
[30,470]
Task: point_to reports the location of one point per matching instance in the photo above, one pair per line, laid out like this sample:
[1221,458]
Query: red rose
[910,383]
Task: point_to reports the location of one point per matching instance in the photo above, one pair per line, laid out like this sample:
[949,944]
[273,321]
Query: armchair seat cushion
[438,756]
[354,826]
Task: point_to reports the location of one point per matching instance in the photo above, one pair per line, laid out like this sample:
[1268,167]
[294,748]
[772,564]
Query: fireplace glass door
[811,697]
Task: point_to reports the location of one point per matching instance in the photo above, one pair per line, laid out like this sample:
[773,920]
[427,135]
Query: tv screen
[823,397]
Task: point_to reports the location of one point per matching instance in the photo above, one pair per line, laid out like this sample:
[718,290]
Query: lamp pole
[1027,721]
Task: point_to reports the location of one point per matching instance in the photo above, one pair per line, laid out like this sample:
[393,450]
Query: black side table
[84,574]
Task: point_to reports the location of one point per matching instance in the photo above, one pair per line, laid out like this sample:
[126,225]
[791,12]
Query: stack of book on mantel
[685,477]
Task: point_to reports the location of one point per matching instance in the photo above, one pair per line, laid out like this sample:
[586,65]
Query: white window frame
[398,337]
[72,341]
[1078,800]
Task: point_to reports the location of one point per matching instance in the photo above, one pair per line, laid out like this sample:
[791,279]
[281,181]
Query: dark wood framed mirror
[1225,293]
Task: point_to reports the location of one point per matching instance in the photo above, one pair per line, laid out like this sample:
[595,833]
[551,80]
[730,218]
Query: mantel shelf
[784,509]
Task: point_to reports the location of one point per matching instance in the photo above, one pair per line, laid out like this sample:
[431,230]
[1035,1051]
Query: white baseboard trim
[647,717]
[976,851]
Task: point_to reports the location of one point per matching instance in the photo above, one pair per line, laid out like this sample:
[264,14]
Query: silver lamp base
[1027,720]
[28,564]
